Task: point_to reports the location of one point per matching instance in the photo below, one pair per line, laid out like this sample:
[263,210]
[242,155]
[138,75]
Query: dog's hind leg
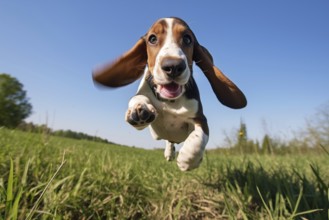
[169,151]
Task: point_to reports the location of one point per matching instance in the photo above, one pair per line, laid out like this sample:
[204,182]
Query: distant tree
[14,105]
[242,137]
[267,147]
[242,134]
[317,129]
[244,144]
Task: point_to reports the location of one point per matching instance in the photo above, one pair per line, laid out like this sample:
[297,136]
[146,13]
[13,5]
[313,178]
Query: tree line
[33,128]
[15,106]
[313,138]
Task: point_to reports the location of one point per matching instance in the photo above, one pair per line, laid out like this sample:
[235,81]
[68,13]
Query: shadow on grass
[280,193]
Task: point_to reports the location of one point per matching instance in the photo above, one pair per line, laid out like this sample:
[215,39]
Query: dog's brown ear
[225,90]
[126,69]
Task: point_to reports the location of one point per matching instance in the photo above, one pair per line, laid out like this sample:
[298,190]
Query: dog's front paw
[191,154]
[141,115]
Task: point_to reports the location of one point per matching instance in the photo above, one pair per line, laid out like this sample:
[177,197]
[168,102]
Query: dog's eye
[187,39]
[153,39]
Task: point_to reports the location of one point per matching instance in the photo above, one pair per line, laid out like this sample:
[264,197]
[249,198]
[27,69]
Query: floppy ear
[225,90]
[126,69]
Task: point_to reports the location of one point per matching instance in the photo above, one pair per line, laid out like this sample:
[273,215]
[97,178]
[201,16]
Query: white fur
[190,155]
[174,123]
[137,101]
[174,120]
[165,100]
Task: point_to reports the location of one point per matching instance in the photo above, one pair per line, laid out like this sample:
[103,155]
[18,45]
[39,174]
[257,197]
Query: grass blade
[318,177]
[77,186]
[264,203]
[229,208]
[24,177]
[16,203]
[45,189]
[306,212]
[10,188]
[325,150]
[297,202]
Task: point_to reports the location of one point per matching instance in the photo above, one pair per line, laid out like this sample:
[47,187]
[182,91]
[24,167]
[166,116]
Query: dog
[168,99]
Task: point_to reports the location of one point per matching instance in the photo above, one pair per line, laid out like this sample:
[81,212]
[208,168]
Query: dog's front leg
[191,154]
[140,112]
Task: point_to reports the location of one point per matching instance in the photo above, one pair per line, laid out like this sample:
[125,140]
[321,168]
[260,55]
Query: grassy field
[46,177]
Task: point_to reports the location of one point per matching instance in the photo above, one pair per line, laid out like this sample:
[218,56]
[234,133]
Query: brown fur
[130,66]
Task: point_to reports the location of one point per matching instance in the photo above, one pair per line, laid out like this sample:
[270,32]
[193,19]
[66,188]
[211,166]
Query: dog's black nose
[173,67]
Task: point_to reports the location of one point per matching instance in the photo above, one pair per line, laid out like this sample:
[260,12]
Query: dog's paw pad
[141,115]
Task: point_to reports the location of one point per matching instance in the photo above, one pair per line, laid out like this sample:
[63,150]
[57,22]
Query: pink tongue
[171,90]
[172,87]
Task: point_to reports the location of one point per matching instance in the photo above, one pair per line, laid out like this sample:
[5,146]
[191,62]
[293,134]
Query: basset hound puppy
[168,100]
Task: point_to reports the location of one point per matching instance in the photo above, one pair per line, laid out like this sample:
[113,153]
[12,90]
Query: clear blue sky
[277,52]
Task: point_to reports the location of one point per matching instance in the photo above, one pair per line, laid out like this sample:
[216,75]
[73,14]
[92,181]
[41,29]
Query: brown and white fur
[168,99]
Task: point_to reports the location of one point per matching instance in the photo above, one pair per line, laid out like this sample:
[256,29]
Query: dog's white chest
[174,122]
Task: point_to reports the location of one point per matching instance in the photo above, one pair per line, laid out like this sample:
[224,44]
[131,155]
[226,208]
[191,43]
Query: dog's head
[169,49]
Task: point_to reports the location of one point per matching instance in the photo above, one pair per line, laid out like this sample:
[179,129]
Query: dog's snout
[173,67]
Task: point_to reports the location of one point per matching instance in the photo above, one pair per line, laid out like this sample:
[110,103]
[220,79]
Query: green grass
[46,177]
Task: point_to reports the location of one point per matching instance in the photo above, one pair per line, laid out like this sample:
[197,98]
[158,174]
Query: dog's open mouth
[171,90]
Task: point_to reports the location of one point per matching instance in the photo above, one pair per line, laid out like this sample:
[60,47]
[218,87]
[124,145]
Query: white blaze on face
[168,87]
[171,49]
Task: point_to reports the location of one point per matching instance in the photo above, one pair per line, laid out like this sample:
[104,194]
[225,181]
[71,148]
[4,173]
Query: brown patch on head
[185,38]
[155,38]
